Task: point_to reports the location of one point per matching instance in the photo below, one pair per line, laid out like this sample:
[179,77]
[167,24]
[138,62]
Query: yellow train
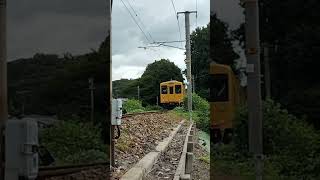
[171,93]
[224,99]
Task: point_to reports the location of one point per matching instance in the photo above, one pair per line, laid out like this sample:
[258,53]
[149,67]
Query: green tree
[221,49]
[291,28]
[155,73]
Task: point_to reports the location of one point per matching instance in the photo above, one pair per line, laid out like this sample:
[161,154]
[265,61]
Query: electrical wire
[175,14]
[135,21]
[135,12]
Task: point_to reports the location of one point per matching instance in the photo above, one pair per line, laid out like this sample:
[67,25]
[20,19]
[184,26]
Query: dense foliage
[290,145]
[51,85]
[74,142]
[291,29]
[132,105]
[222,52]
[200,112]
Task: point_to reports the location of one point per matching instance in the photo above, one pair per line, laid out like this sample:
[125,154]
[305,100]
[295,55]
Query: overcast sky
[76,26]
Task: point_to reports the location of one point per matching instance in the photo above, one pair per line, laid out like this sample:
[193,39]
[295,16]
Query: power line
[175,14]
[145,47]
[135,12]
[172,46]
[161,42]
[135,21]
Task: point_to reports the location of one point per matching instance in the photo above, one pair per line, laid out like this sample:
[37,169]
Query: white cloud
[159,20]
[76,26]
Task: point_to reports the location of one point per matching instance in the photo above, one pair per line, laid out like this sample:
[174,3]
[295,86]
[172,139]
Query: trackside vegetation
[291,147]
[200,112]
[74,142]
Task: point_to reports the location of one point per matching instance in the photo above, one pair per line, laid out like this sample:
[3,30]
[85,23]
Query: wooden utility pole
[3,82]
[188,58]
[138,92]
[267,71]
[91,87]
[254,84]
[109,85]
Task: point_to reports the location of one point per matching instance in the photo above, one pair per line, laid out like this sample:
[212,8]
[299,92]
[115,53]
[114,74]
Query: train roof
[219,67]
[172,81]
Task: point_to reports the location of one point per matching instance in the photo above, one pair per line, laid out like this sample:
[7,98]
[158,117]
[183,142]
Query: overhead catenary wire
[175,14]
[135,12]
[135,21]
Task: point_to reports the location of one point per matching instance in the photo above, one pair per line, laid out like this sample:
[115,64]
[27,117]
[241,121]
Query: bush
[226,160]
[201,112]
[87,156]
[68,139]
[289,143]
[153,108]
[133,105]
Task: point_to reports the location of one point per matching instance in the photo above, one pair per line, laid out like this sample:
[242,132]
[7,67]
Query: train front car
[171,94]
[224,99]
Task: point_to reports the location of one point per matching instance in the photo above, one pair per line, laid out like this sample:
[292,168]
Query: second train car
[224,99]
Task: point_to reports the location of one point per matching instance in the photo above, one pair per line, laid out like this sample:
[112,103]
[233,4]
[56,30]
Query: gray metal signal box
[21,150]
[116,112]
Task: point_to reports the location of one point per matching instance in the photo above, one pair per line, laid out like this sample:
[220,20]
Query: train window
[164,90]
[177,89]
[171,89]
[219,88]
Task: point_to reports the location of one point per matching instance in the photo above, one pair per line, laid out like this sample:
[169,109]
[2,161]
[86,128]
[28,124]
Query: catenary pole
[109,79]
[254,84]
[188,58]
[267,71]
[3,82]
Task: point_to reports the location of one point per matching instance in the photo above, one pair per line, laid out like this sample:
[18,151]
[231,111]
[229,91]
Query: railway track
[55,171]
[171,159]
[46,172]
[142,113]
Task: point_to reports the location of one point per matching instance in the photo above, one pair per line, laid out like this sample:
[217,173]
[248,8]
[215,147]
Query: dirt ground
[139,136]
[201,164]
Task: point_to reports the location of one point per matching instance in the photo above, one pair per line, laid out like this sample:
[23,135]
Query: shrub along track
[201,163]
[141,133]
[168,161]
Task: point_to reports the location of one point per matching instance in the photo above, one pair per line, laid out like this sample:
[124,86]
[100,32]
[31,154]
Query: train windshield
[164,90]
[178,89]
[219,88]
[171,89]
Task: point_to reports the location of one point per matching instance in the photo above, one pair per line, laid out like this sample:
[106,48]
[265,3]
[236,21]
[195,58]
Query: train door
[178,93]
[163,95]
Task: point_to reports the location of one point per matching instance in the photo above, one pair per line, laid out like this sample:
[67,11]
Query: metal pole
[254,86]
[109,79]
[188,54]
[193,84]
[188,59]
[267,71]
[3,82]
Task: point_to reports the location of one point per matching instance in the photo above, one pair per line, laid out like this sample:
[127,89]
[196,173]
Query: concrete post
[185,177]
[189,159]
[190,146]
